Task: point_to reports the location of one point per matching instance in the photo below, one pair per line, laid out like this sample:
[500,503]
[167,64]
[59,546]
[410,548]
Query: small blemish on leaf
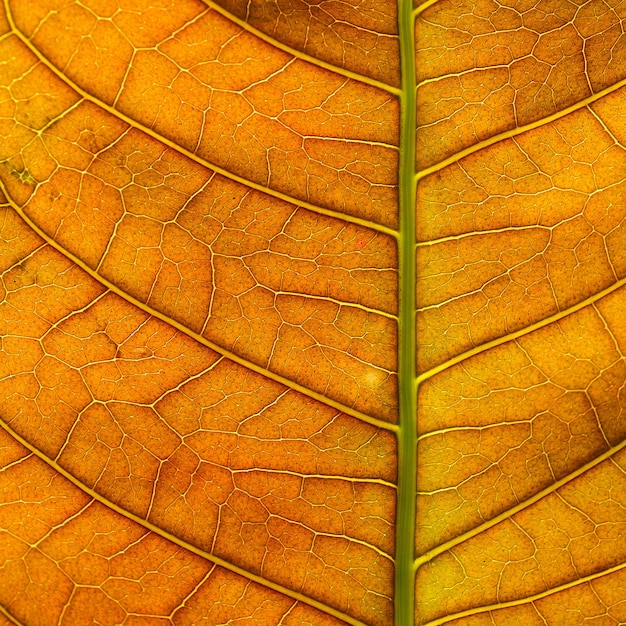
[24,176]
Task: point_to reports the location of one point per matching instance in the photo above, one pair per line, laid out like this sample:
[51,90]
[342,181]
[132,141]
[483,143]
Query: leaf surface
[520,331]
[201,358]
[255,370]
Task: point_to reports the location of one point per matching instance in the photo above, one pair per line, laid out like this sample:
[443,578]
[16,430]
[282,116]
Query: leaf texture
[358,36]
[520,328]
[88,564]
[197,355]
[225,95]
[312,313]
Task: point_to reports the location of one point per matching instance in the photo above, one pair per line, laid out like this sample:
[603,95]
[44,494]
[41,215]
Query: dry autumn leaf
[218,403]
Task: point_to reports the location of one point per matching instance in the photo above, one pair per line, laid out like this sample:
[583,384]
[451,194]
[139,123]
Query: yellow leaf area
[521,512]
[198,314]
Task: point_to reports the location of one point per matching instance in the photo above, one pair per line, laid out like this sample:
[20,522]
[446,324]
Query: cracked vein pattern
[165,428]
[521,230]
[293,291]
[485,67]
[360,35]
[220,92]
[87,564]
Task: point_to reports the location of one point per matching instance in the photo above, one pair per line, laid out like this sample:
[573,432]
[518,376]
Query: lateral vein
[174,539]
[190,333]
[520,129]
[527,599]
[520,333]
[299,53]
[455,541]
[188,153]
[422,7]
[10,617]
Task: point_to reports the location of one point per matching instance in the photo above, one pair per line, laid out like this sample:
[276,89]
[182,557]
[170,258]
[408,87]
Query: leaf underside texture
[312,313]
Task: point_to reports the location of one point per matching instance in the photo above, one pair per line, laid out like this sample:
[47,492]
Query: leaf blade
[134,373]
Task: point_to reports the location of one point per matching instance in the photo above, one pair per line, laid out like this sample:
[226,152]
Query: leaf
[199,323]
[208,329]
[520,511]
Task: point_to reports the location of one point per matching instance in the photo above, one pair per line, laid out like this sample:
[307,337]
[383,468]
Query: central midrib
[407,433]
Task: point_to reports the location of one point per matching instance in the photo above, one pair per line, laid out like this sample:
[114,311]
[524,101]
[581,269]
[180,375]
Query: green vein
[337,69]
[188,153]
[176,540]
[407,434]
[190,333]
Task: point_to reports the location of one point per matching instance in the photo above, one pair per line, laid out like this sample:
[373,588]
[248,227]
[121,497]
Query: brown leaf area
[198,319]
[360,35]
[219,258]
[486,67]
[87,564]
[521,333]
[177,436]
[225,95]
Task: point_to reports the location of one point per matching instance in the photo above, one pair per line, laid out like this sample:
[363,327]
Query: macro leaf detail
[312,313]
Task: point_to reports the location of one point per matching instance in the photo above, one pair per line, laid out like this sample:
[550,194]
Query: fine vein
[455,541]
[521,332]
[337,69]
[188,153]
[199,338]
[527,599]
[176,540]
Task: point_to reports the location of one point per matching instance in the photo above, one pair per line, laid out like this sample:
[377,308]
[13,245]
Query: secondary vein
[176,540]
[196,336]
[188,153]
[337,69]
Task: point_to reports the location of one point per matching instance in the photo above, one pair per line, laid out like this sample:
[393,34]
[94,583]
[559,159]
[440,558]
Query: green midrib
[407,434]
